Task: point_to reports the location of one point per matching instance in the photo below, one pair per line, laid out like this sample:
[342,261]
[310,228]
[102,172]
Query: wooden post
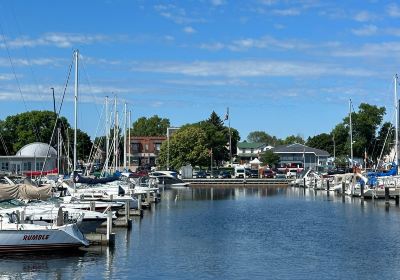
[148,196]
[93,206]
[343,188]
[109,224]
[362,191]
[315,183]
[397,199]
[139,198]
[387,195]
[304,182]
[127,212]
[327,185]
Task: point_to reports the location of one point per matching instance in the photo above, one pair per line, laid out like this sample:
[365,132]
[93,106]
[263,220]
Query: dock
[236,182]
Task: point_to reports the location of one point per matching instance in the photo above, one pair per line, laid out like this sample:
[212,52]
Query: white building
[29,158]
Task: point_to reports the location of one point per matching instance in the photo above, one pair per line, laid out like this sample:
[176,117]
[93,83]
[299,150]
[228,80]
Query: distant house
[301,155]
[247,151]
[145,150]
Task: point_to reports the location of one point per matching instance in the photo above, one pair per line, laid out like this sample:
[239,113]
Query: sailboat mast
[115,133]
[76,107]
[107,136]
[396,105]
[351,135]
[125,119]
[129,139]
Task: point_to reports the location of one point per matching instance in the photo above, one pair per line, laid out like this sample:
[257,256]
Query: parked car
[224,175]
[199,174]
[268,173]
[280,176]
[254,173]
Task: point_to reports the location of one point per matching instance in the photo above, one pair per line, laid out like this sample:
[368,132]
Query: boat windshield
[11,203]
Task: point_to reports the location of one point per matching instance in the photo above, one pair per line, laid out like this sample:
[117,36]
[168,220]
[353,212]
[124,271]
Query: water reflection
[222,193]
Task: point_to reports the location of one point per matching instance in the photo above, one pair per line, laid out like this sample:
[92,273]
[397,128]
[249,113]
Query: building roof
[248,145]
[299,149]
[37,149]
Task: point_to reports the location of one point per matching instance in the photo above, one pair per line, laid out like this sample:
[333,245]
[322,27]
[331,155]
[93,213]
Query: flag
[227,114]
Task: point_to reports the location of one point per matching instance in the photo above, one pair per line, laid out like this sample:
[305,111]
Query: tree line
[197,143]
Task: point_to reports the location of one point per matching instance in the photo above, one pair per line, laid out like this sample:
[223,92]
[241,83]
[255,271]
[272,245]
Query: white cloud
[6,77]
[393,10]
[251,68]
[213,46]
[376,50]
[366,30]
[60,40]
[260,43]
[287,12]
[37,61]
[189,30]
[176,14]
[217,2]
[364,16]
[169,38]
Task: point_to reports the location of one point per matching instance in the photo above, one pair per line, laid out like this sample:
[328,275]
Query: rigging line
[92,150]
[35,129]
[90,86]
[57,116]
[12,65]
[42,95]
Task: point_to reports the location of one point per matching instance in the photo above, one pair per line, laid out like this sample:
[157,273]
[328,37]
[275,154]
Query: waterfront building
[301,155]
[247,151]
[144,150]
[29,158]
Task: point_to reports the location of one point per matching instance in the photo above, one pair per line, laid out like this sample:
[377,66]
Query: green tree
[263,137]
[365,123]
[321,141]
[83,144]
[187,145]
[154,126]
[384,141]
[35,126]
[269,158]
[292,139]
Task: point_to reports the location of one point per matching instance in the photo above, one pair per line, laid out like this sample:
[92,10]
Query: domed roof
[37,149]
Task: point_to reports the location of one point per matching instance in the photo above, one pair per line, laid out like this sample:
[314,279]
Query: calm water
[261,233]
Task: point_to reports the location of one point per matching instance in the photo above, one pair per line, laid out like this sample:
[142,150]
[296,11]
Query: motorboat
[20,235]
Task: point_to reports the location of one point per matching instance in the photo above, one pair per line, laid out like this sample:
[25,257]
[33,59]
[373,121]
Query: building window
[251,150]
[39,165]
[244,151]
[4,166]
[135,147]
[146,147]
[157,147]
[27,166]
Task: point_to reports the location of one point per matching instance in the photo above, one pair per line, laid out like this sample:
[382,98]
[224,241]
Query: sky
[283,67]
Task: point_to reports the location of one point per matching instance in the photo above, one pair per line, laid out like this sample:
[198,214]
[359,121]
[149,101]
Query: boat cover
[23,191]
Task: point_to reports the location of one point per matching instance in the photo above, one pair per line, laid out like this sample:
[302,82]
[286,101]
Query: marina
[237,233]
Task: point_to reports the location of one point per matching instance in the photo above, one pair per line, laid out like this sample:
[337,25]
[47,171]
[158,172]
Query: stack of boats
[60,212]
[366,184]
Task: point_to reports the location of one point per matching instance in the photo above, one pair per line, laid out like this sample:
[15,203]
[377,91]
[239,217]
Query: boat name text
[36,237]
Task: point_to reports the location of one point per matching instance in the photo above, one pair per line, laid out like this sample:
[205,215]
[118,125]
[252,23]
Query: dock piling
[387,195]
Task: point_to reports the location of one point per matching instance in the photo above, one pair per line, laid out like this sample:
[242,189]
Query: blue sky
[284,67]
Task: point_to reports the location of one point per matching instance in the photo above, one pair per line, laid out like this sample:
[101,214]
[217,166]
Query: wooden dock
[237,182]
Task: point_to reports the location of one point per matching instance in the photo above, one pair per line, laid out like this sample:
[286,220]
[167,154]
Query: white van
[239,172]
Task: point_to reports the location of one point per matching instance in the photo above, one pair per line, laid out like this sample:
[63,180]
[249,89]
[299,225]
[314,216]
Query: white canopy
[255,161]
